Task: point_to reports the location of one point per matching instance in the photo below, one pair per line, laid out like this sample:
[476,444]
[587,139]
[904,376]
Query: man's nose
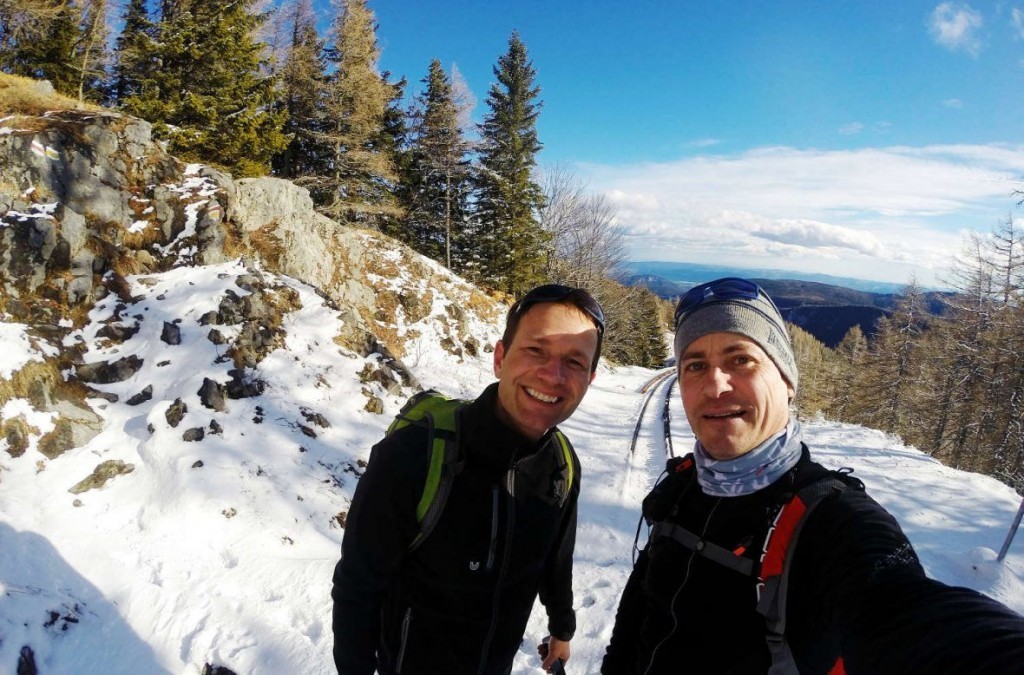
[553,369]
[717,383]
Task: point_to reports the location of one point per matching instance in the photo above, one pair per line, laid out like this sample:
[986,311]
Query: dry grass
[25,96]
[268,245]
[28,382]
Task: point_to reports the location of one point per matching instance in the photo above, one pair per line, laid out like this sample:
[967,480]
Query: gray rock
[193,434]
[171,333]
[141,397]
[101,475]
[176,412]
[105,372]
[211,394]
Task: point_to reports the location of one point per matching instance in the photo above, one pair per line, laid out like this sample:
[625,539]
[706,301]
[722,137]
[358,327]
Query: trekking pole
[1013,531]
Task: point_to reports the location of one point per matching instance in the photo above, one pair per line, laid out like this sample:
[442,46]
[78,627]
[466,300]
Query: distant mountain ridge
[691,274]
[825,309]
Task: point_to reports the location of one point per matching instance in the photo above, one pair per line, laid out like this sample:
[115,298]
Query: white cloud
[953,103]
[851,129]
[956,26]
[1017,19]
[705,143]
[877,212]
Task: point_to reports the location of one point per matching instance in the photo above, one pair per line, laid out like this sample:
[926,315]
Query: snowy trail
[221,551]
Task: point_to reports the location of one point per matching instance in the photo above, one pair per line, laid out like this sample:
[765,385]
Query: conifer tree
[358,184]
[134,54]
[303,87]
[511,242]
[42,40]
[439,170]
[849,356]
[208,96]
[91,54]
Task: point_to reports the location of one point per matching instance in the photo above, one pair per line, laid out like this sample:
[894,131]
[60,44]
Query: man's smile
[533,393]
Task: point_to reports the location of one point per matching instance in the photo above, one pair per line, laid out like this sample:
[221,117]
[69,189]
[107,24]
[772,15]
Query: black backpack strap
[702,547]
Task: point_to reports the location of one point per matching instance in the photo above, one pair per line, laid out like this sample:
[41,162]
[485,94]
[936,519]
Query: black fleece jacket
[856,591]
[460,602]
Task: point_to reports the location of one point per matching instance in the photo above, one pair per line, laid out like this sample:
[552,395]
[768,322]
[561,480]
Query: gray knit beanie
[755,318]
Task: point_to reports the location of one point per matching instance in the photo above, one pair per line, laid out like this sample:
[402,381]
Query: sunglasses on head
[557,293]
[729,288]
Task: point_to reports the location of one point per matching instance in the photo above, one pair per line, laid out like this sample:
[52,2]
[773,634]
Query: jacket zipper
[493,548]
[510,485]
[406,620]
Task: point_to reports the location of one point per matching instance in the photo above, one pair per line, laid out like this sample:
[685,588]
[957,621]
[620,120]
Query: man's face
[545,371]
[734,395]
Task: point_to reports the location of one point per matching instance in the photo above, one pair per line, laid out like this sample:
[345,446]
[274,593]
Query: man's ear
[499,357]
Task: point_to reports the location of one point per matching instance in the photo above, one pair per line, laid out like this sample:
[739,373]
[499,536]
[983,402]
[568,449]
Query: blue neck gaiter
[753,470]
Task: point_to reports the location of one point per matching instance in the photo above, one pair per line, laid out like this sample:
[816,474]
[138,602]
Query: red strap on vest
[780,537]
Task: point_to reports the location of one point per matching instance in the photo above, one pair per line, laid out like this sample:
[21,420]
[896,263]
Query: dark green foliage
[206,93]
[40,41]
[437,173]
[636,331]
[133,54]
[510,243]
[303,89]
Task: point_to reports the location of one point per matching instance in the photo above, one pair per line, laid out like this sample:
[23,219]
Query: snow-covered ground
[221,550]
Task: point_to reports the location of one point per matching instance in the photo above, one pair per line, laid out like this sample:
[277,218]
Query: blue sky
[855,138]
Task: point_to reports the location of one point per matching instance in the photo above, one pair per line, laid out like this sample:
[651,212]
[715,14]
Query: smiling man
[760,560]
[458,599]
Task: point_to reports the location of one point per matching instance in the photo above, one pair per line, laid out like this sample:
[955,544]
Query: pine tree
[439,170]
[512,244]
[303,88]
[358,184]
[208,96]
[134,54]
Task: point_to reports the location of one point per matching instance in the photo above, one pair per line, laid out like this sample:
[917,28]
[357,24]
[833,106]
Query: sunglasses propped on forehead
[720,290]
[559,293]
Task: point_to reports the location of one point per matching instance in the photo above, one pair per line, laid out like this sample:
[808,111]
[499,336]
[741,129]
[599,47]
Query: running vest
[773,567]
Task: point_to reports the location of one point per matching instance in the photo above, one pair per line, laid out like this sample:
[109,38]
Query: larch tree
[511,244]
[92,58]
[358,185]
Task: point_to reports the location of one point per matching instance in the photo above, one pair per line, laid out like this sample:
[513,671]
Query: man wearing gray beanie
[765,559]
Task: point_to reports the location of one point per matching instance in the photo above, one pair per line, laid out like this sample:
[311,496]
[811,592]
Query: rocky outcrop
[88,200]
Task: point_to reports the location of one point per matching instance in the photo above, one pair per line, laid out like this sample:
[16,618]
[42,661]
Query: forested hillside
[257,90]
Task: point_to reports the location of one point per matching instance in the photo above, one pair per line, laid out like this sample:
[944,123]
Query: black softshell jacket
[857,591]
[460,602]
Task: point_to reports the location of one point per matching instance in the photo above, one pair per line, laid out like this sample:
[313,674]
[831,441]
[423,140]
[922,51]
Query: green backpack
[439,414]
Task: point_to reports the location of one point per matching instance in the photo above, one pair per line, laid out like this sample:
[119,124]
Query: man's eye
[693,366]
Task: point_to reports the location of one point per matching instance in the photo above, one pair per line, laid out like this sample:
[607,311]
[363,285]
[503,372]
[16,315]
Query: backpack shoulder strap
[438,414]
[570,468]
[776,562]
[657,507]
